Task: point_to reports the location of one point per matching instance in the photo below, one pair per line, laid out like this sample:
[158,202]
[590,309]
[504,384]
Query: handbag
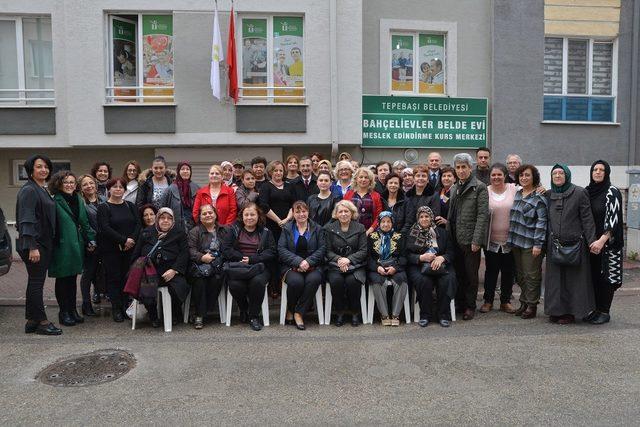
[566,254]
[428,271]
[236,270]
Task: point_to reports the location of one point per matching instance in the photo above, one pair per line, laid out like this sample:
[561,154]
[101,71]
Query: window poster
[288,50]
[157,52]
[124,57]
[254,56]
[402,63]
[431,60]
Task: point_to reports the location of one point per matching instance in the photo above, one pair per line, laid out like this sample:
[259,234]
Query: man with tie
[434,161]
[305,185]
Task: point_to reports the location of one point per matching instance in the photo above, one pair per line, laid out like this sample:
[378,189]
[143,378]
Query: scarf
[424,237]
[72,201]
[598,190]
[567,182]
[163,234]
[184,186]
[385,237]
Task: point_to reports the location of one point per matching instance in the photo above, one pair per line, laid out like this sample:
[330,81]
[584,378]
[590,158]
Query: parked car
[5,246]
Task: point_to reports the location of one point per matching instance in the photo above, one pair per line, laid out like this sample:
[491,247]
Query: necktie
[306,184]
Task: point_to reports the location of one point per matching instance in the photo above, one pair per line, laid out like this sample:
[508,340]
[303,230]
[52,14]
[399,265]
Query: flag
[216,56]
[231,59]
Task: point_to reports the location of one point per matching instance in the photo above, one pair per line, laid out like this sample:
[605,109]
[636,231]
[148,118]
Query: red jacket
[377,204]
[225,204]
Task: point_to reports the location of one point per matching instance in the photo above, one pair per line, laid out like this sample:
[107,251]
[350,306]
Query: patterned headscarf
[162,234]
[425,237]
[385,237]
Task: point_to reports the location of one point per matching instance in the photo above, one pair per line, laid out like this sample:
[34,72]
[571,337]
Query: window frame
[270,88]
[110,97]
[23,100]
[565,78]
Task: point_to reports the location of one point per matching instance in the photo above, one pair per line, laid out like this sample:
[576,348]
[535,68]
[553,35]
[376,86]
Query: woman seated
[206,262]
[429,256]
[170,258]
[301,249]
[346,257]
[249,245]
[386,268]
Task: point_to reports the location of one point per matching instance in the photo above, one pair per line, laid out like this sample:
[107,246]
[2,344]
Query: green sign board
[424,122]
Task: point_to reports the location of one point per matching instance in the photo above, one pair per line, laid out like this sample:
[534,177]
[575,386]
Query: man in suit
[304,185]
[513,163]
[434,161]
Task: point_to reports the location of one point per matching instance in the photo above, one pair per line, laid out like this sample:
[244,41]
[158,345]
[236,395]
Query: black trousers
[424,286]
[466,265]
[89,275]
[176,307]
[249,293]
[116,266]
[345,291]
[66,292]
[301,289]
[36,275]
[602,289]
[498,263]
[204,292]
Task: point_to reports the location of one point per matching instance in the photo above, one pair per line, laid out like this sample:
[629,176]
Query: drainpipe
[333,48]
[633,123]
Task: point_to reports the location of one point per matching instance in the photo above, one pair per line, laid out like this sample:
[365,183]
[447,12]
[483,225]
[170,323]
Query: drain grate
[98,367]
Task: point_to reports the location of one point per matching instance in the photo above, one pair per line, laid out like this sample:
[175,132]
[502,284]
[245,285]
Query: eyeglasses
[69,183]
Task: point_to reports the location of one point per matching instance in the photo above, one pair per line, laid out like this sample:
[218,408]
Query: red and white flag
[231,59]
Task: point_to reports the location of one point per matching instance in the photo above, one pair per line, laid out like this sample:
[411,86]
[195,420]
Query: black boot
[66,318]
[76,316]
[87,309]
[116,314]
[355,320]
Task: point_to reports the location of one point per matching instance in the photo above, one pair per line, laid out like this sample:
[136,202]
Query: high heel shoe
[299,321]
[87,310]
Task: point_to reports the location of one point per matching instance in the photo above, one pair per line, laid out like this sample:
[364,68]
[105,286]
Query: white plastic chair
[283,304]
[372,304]
[329,300]
[265,307]
[222,302]
[163,293]
[416,308]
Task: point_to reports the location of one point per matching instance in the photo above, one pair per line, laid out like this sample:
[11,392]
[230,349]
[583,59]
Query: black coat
[171,253]
[445,248]
[35,218]
[352,245]
[145,190]
[300,192]
[397,258]
[109,238]
[316,246]
[412,202]
[267,251]
[198,238]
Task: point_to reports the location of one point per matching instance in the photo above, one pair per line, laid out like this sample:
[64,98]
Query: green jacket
[68,252]
[470,209]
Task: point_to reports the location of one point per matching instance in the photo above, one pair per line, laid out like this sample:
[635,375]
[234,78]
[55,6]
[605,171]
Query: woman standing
[346,258]
[118,231]
[154,182]
[498,257]
[606,252]
[441,199]
[88,189]
[170,258]
[131,173]
[73,237]
[36,226]
[393,199]
[527,236]
[316,159]
[249,242]
[367,201]
[429,257]
[227,174]
[180,196]
[206,268]
[246,193]
[386,268]
[301,250]
[102,171]
[344,177]
[276,199]
[293,168]
[321,205]
[568,291]
[324,166]
[407,179]
[216,194]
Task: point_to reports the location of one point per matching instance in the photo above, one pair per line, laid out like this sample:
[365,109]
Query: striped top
[528,221]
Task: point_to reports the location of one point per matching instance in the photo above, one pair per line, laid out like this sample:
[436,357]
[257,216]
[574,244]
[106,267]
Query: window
[20,174]
[579,80]
[26,61]
[272,58]
[140,58]
[417,63]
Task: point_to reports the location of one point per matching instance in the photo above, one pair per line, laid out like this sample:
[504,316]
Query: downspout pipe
[635,52]
[333,49]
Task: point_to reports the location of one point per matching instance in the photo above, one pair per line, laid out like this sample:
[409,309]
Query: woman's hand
[437,262]
[343,263]
[34,256]
[596,247]
[536,251]
[381,271]
[169,274]
[369,231]
[130,243]
[245,259]
[440,220]
[391,271]
[428,257]
[304,266]
[475,248]
[207,258]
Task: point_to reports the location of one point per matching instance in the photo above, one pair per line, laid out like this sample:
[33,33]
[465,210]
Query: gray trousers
[379,285]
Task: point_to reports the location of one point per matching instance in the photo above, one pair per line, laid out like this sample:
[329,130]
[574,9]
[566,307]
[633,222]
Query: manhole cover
[98,367]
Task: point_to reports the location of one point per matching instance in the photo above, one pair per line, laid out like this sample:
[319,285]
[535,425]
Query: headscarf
[162,234]
[599,189]
[184,186]
[567,182]
[385,237]
[425,237]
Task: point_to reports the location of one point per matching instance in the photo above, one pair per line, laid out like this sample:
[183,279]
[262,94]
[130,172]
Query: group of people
[397,230]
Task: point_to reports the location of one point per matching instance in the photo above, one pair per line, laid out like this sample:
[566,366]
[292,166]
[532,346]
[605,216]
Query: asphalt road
[497,369]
